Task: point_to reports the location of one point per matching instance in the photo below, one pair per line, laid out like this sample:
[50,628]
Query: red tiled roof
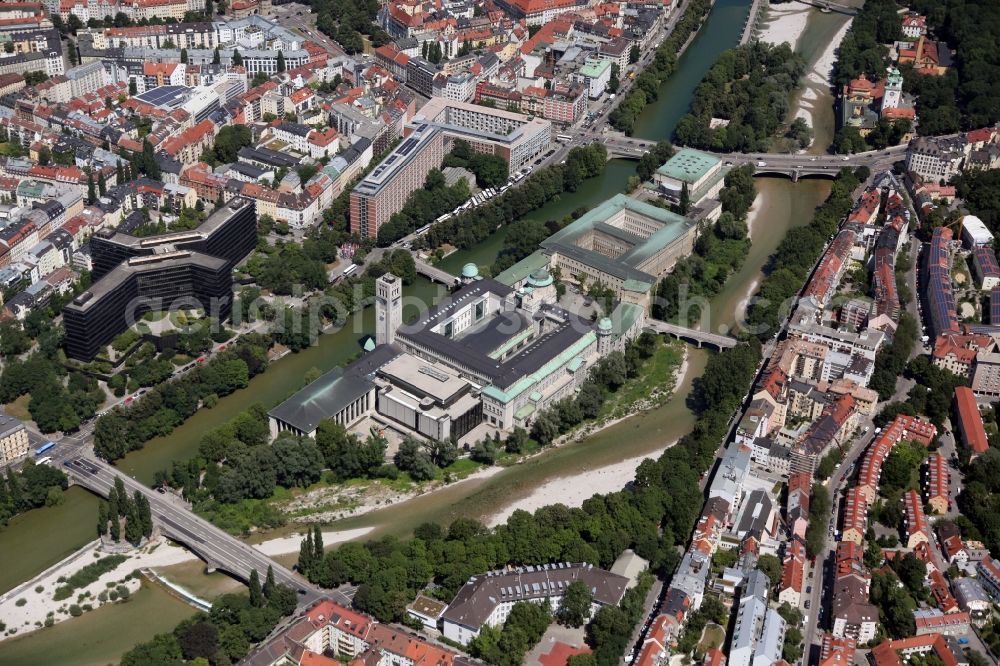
[560,654]
[971,420]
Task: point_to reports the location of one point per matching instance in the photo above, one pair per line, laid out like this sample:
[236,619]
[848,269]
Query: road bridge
[830,5]
[435,274]
[750,27]
[690,334]
[792,165]
[219,550]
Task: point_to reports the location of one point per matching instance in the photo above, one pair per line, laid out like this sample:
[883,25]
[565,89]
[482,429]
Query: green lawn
[19,408]
[711,637]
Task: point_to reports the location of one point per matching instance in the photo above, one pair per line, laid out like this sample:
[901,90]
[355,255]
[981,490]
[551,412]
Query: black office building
[132,276]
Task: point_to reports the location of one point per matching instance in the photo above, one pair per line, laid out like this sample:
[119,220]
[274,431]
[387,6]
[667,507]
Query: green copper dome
[604,324]
[470,271]
[540,278]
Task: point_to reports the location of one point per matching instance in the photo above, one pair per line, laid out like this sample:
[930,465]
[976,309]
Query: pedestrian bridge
[691,335]
[435,274]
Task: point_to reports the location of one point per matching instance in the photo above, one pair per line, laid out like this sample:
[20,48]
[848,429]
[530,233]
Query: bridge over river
[220,550]
[794,166]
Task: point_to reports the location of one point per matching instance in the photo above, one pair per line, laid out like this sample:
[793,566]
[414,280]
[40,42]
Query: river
[781,205]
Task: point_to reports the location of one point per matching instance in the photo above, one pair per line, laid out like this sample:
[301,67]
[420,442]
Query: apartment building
[487,600]
[936,483]
[517,138]
[970,422]
[916,521]
[13,439]
[934,158]
[383,192]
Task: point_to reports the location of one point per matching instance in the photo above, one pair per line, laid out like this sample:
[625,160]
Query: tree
[91,194]
[269,584]
[545,428]
[199,639]
[317,542]
[306,559]
[184,56]
[256,593]
[299,461]
[634,54]
[102,518]
[281,61]
[574,608]
[770,565]
[216,58]
[132,90]
[162,649]
[102,185]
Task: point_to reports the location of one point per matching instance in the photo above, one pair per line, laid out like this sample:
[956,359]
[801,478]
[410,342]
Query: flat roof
[211,224]
[410,147]
[688,165]
[468,350]
[137,266]
[624,267]
[432,380]
[595,68]
[165,96]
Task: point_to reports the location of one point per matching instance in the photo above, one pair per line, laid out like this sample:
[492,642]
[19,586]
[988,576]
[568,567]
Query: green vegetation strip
[647,85]
[87,575]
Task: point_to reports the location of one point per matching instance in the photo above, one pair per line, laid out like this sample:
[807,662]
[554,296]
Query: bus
[47,446]
[44,461]
[350,270]
[423,230]
[563,137]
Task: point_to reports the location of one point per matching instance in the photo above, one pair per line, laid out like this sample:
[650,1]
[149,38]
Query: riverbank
[34,604]
[327,504]
[819,79]
[27,608]
[785,23]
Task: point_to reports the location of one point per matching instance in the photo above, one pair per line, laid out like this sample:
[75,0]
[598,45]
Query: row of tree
[969,97]
[32,487]
[467,229]
[423,206]
[123,517]
[749,86]
[647,84]
[225,634]
[164,407]
[718,253]
[653,516]
[796,254]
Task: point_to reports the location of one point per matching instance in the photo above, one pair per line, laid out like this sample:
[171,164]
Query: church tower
[893,96]
[388,308]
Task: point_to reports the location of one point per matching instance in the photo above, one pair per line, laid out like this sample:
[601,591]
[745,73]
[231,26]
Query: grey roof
[326,396]
[757,509]
[267,156]
[476,600]
[470,350]
[9,425]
